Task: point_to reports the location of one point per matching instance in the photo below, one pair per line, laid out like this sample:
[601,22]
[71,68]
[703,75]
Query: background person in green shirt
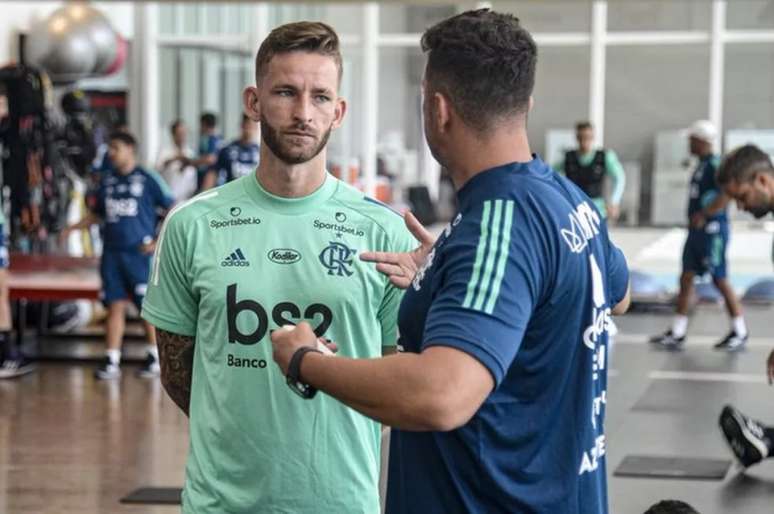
[588,167]
[269,249]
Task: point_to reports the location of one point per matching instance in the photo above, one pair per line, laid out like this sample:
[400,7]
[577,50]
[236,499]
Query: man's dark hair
[245,118]
[671,507]
[484,62]
[303,36]
[124,137]
[209,120]
[174,126]
[743,164]
[583,125]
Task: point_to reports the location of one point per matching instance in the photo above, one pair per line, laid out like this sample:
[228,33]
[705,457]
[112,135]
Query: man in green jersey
[274,248]
[587,168]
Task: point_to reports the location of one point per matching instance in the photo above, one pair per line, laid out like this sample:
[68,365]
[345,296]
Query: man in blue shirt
[127,203]
[209,146]
[705,249]
[236,160]
[498,400]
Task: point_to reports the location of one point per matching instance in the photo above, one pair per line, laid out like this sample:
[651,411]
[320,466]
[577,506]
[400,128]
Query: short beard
[271,138]
[760,212]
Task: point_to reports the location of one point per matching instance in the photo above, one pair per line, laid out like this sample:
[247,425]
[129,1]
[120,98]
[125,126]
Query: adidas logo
[237,258]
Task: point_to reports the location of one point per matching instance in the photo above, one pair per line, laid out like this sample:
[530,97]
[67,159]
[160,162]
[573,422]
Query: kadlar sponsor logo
[284,256]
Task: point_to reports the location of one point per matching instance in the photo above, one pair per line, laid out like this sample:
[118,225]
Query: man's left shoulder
[352,204]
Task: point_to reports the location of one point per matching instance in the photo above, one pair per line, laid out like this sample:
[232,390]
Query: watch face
[303,390]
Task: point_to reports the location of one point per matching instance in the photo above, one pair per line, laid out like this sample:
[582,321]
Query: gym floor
[70,444]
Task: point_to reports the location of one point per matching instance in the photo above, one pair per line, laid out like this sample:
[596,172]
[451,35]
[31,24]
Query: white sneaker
[108,371]
[150,368]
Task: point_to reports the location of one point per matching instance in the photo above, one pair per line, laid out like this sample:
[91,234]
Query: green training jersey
[231,265]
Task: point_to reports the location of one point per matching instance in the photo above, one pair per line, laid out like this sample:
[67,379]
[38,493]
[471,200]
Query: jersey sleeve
[617,175]
[160,192]
[491,280]
[709,186]
[170,302]
[403,241]
[617,274]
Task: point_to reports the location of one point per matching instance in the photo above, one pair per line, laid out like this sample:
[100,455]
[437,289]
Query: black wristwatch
[294,374]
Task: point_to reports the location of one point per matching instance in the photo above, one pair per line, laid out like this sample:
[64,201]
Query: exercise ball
[74,42]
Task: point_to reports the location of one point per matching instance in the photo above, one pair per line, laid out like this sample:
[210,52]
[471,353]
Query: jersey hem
[481,354]
[165,324]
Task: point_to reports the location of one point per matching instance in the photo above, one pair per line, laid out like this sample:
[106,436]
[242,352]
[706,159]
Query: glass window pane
[659,15]
[561,92]
[286,13]
[749,83]
[213,14]
[554,16]
[344,18]
[233,14]
[167,18]
[411,18]
[640,103]
[750,14]
[247,19]
[190,18]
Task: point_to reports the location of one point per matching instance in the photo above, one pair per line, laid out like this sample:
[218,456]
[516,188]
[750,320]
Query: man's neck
[484,153]
[290,180]
[127,169]
[704,155]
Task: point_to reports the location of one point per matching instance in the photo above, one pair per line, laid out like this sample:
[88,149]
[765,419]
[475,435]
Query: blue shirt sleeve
[490,279]
[617,274]
[223,166]
[214,144]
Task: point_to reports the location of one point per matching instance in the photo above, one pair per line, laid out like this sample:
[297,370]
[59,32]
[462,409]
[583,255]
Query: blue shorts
[124,275]
[705,251]
[3,249]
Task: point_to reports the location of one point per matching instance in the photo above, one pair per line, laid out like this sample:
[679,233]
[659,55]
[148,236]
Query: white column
[717,65]
[370,78]
[144,96]
[597,78]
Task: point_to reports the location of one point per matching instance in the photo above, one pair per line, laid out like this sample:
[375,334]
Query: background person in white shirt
[174,163]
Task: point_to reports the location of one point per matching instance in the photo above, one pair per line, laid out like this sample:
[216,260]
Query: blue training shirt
[704,188]
[523,280]
[128,205]
[236,160]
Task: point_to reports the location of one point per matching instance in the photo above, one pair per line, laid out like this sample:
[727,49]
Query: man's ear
[251,103]
[441,110]
[341,110]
